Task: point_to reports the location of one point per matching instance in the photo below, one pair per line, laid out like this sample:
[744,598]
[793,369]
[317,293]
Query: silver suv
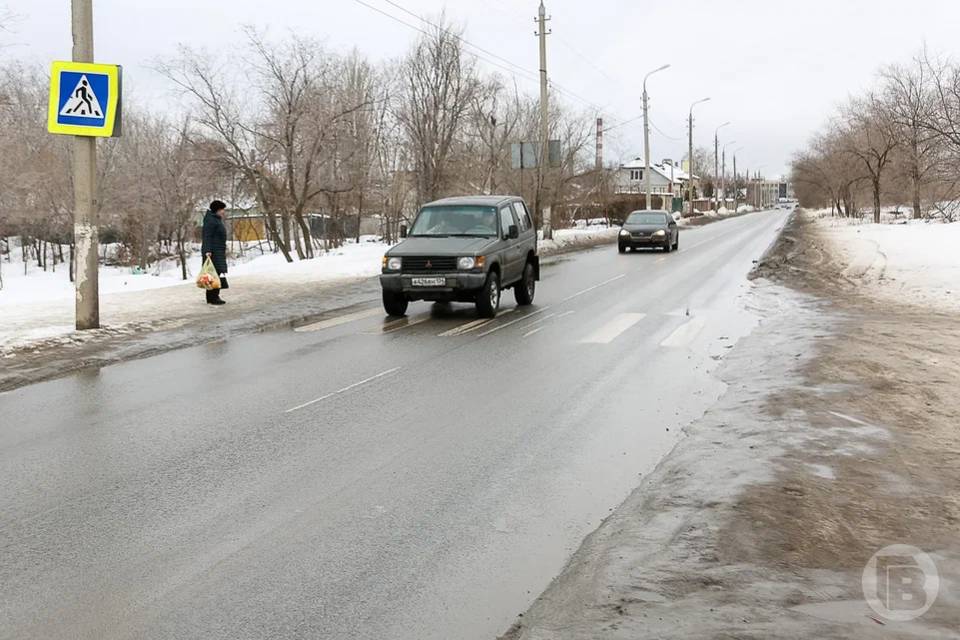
[464,249]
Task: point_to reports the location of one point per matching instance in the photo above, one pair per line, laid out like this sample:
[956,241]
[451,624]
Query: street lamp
[723,171]
[690,157]
[716,161]
[646,136]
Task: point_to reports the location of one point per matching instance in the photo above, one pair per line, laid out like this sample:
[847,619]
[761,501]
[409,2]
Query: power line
[529,75]
[661,132]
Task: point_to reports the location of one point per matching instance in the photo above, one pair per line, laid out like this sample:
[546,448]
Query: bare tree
[908,100]
[868,134]
[439,85]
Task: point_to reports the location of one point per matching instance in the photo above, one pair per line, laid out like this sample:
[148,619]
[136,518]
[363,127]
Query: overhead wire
[528,74]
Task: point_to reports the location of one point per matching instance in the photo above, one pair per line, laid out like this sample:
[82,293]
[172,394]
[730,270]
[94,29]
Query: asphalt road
[357,477]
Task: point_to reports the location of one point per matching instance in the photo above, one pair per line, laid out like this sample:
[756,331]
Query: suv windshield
[638,217]
[456,220]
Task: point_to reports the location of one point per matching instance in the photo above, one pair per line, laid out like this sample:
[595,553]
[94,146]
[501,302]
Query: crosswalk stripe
[472,325]
[339,320]
[685,333]
[609,332]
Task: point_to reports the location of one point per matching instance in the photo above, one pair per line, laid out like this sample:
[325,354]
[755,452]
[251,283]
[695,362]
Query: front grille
[428,264]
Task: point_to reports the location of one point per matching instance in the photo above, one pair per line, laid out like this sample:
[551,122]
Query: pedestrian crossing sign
[85,99]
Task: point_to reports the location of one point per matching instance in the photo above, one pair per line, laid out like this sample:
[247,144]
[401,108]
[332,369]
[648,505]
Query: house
[665,178]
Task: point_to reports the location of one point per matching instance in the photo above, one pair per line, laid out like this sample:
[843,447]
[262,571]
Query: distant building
[665,178]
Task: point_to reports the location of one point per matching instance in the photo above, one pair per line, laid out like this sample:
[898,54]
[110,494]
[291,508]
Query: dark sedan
[649,228]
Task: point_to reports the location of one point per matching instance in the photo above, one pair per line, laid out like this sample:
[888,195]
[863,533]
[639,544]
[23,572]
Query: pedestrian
[214,246]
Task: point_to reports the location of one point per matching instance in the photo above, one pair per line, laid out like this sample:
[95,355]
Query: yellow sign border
[112,72]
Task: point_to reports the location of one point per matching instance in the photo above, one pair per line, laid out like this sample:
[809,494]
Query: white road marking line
[473,325]
[344,390]
[461,328]
[398,325]
[685,333]
[565,313]
[609,332]
[661,259]
[596,286]
[538,321]
[512,322]
[339,320]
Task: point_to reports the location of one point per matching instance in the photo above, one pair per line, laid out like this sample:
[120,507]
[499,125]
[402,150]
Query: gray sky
[775,68]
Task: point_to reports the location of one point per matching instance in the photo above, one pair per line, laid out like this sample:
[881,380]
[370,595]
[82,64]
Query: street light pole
[646,137]
[716,161]
[85,231]
[690,157]
[723,172]
[736,189]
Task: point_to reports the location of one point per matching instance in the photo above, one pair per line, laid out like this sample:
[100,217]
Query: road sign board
[85,99]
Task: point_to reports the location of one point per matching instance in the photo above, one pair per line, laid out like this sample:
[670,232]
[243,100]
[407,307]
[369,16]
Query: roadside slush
[836,438]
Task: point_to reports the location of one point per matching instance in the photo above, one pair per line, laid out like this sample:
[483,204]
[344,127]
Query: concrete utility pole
[723,171]
[646,139]
[85,231]
[716,161]
[690,158]
[544,120]
[736,189]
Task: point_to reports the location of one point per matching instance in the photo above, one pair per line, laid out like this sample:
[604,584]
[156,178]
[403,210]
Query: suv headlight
[392,263]
[624,232]
[469,262]
[659,232]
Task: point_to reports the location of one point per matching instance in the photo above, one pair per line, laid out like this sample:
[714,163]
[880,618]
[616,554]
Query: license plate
[429,282]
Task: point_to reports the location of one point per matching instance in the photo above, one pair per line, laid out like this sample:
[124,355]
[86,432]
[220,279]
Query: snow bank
[914,262]
[566,238]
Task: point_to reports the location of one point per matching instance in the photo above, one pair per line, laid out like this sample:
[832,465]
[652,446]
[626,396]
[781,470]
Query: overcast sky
[774,68]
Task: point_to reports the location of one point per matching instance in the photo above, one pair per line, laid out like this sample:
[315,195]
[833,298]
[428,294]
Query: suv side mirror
[513,232]
[403,231]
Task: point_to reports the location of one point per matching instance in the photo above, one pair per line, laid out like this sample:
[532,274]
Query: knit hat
[217,205]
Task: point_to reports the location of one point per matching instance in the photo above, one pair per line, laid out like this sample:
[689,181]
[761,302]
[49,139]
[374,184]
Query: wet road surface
[361,477]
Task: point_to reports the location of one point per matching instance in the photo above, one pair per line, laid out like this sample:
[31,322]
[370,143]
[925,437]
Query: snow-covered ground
[914,262]
[37,285]
[36,305]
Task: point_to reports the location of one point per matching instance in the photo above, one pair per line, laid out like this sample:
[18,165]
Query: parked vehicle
[464,249]
[649,228]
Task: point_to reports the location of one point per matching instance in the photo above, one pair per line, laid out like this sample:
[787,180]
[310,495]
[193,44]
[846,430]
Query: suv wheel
[524,290]
[395,304]
[488,300]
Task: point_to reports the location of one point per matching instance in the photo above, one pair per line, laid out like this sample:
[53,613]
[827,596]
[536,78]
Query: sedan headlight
[469,262]
[392,263]
[624,232]
[659,232]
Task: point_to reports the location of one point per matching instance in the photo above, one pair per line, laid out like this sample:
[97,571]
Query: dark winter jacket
[215,241]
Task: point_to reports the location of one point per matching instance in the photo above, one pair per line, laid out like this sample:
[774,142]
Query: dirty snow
[915,262]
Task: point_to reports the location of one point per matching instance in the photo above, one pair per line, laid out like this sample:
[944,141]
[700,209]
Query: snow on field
[38,305]
[915,262]
[37,285]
